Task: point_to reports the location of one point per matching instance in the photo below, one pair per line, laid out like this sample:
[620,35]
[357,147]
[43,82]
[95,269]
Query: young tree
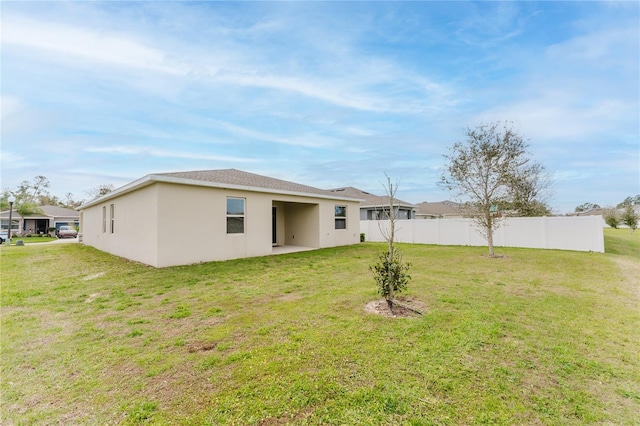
[630,218]
[390,273]
[611,218]
[484,169]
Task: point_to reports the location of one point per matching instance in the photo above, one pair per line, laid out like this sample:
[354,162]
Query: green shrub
[630,218]
[391,276]
[611,218]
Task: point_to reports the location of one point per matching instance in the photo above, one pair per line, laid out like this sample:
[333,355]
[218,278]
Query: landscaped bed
[534,337]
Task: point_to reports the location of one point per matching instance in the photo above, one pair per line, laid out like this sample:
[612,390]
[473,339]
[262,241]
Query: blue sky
[327,94]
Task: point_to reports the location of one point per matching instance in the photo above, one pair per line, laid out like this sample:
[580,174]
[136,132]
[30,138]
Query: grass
[537,337]
[622,241]
[30,240]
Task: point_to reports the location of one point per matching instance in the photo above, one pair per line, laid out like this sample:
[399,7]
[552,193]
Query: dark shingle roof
[369,199]
[225,178]
[440,208]
[246,179]
[48,211]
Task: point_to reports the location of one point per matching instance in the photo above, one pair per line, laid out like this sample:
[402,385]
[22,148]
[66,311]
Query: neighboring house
[182,218]
[51,217]
[593,212]
[373,207]
[441,210]
[604,211]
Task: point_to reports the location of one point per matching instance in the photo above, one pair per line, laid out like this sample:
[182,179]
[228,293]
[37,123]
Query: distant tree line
[30,195]
[627,202]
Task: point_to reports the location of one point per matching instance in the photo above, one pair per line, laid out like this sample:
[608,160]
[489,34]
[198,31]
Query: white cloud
[162,153]
[557,118]
[9,105]
[307,141]
[84,43]
[372,84]
[12,160]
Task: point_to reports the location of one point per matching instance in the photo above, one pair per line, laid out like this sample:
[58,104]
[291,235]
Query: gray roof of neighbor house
[48,211]
[225,178]
[602,211]
[440,208]
[369,200]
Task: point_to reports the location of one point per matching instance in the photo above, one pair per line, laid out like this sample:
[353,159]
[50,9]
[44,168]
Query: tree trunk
[490,235]
[392,231]
[390,305]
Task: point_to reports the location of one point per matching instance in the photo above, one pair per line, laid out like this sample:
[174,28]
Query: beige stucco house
[182,218]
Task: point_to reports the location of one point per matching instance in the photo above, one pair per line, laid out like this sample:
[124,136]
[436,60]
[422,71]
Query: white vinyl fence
[580,233]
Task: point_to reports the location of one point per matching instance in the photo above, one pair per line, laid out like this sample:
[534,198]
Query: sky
[326,94]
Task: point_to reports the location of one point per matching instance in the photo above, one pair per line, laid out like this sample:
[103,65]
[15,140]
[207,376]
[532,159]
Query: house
[441,210]
[182,218]
[51,217]
[372,206]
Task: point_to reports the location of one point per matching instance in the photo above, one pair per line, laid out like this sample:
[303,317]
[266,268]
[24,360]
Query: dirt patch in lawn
[403,307]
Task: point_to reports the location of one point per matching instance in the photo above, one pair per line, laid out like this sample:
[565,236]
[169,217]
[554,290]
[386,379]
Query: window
[235,215]
[112,211]
[15,226]
[104,219]
[341,217]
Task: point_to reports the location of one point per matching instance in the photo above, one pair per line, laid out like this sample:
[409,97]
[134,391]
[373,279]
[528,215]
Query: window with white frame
[235,215]
[112,216]
[341,217]
[104,219]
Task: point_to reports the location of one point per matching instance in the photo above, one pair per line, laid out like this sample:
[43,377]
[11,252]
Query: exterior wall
[136,226]
[29,224]
[583,233]
[301,221]
[301,225]
[192,225]
[332,237]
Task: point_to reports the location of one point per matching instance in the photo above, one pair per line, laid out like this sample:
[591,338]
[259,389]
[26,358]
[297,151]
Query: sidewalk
[58,241]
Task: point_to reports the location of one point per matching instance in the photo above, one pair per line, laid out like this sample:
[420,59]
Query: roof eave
[386,205]
[149,179]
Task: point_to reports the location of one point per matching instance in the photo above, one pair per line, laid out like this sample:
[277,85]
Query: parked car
[67,232]
[3,236]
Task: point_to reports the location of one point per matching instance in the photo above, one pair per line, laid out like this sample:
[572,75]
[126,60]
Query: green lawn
[537,337]
[30,240]
[622,241]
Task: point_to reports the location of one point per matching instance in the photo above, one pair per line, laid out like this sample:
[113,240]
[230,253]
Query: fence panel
[583,233]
